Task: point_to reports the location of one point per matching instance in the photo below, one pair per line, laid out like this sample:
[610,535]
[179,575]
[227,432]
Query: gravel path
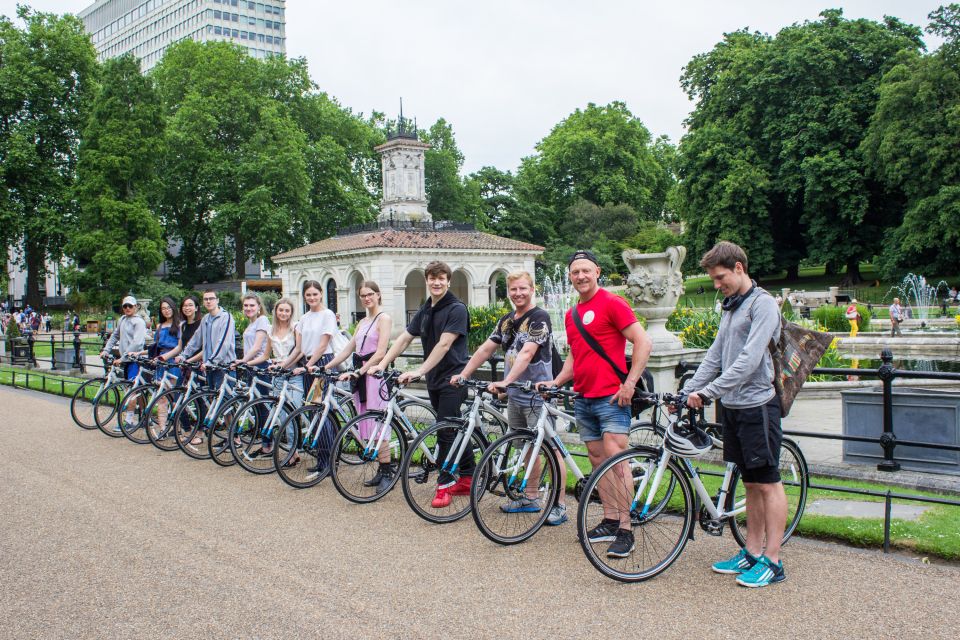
[106,539]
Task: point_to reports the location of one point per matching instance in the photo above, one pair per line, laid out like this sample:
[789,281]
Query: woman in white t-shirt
[283,342]
[314,330]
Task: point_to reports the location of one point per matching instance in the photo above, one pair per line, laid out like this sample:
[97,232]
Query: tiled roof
[411,239]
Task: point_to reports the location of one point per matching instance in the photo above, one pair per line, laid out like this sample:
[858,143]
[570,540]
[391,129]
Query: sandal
[197,440]
[292,462]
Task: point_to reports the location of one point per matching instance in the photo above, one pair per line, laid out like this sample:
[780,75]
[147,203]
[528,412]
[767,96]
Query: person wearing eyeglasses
[215,340]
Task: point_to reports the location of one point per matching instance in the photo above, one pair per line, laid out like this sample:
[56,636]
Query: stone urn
[654,287]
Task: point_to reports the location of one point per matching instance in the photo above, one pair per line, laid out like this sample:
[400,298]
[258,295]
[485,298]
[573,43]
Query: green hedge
[834,318]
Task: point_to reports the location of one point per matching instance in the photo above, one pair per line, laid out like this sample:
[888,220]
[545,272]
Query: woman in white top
[255,352]
[314,331]
[283,341]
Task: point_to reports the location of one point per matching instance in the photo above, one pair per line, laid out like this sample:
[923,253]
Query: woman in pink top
[367,347]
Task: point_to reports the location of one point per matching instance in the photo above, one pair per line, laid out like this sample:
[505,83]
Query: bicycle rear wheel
[81,404]
[646,434]
[793,474]
[420,469]
[357,471]
[420,414]
[161,431]
[512,493]
[191,424]
[218,441]
[107,406]
[659,533]
[135,402]
[301,454]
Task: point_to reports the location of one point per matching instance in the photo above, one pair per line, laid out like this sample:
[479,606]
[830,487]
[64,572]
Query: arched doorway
[331,297]
[498,287]
[415,292]
[356,309]
[460,286]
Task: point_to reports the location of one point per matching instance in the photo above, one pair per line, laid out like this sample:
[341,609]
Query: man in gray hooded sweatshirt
[217,336]
[738,370]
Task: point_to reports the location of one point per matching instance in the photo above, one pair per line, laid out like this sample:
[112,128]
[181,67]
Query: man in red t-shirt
[603,411]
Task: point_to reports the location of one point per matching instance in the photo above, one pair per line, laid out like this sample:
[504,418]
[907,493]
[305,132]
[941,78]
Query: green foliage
[696,328]
[241,321]
[47,77]
[269,299]
[483,320]
[12,333]
[117,237]
[230,300]
[153,288]
[831,359]
[652,237]
[833,318]
[772,158]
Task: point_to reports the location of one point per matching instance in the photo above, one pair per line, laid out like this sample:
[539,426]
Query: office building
[146,28]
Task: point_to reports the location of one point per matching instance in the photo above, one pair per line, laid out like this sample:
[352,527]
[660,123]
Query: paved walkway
[105,539]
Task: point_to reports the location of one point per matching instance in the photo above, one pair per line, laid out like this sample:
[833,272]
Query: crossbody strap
[373,322]
[590,340]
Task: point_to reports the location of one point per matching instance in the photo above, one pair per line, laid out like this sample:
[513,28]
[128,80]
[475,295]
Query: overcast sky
[504,72]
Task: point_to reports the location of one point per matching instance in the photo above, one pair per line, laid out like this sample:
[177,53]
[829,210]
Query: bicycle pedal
[709,525]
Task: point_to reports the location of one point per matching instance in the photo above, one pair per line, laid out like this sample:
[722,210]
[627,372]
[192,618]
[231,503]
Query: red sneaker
[461,487]
[442,499]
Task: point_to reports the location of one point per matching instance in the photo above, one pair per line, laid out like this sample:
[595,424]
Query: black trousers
[446,401]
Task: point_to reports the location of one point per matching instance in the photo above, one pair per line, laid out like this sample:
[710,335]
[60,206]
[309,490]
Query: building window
[218,31]
[235,17]
[234,33]
[216,14]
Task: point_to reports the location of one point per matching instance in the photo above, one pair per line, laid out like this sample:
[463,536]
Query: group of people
[737,370]
[28,319]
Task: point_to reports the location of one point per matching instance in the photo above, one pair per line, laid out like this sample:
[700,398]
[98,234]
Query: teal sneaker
[764,572]
[738,564]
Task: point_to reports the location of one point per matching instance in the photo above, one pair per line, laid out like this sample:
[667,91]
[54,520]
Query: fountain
[557,296]
[921,296]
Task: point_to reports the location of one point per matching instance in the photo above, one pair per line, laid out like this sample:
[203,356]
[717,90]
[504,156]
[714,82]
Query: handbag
[641,400]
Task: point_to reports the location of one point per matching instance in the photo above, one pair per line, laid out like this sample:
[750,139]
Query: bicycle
[423,457]
[218,440]
[83,402]
[162,436]
[500,498]
[141,398]
[109,402]
[302,444]
[391,429]
[664,492]
[254,423]
[200,414]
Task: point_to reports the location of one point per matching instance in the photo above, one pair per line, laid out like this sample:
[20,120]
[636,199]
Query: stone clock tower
[404,189]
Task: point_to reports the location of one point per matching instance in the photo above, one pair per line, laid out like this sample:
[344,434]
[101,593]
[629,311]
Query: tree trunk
[853,272]
[33,258]
[793,272]
[830,268]
[240,260]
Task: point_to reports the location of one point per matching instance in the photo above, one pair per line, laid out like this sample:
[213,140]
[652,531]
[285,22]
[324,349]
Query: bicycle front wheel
[107,406]
[160,425]
[82,403]
[133,415]
[191,424]
[362,471]
[301,454]
[218,442]
[420,414]
[793,474]
[421,468]
[627,489]
[512,490]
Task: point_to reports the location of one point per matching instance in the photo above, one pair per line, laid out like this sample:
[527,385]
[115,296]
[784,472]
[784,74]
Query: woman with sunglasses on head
[129,335]
[366,348]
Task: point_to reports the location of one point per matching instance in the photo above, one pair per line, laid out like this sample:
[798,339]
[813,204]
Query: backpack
[794,356]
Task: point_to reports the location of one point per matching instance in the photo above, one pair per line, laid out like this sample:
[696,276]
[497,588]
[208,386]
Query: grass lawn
[811,279]
[40,381]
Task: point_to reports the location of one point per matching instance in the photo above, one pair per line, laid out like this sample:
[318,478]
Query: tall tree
[603,155]
[447,192]
[118,238]
[234,169]
[912,148]
[774,141]
[47,77]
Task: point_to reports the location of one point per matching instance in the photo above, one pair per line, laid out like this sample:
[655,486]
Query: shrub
[483,320]
[834,318]
[13,332]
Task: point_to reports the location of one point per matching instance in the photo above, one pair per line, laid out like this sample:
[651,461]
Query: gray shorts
[522,416]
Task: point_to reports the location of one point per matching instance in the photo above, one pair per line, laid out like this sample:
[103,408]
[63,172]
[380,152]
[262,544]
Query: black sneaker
[387,472]
[375,480]
[622,546]
[606,531]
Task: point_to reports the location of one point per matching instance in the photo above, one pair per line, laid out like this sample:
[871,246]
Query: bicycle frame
[545,432]
[330,402]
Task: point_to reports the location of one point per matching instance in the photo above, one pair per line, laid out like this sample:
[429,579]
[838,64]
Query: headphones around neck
[731,303]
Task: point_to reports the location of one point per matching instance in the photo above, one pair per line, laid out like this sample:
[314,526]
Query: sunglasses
[126,306]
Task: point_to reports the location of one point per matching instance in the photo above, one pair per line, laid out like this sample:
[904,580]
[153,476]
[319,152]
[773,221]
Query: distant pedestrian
[853,317]
[896,317]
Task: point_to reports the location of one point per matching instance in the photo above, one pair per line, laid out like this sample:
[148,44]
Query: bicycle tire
[313,457]
[420,413]
[164,438]
[217,440]
[793,474]
[644,433]
[351,467]
[188,423]
[249,450]
[138,397]
[108,404]
[81,404]
[496,483]
[660,535]
[417,468]
[493,427]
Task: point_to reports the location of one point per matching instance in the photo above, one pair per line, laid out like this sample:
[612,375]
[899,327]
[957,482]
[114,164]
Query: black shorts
[751,440]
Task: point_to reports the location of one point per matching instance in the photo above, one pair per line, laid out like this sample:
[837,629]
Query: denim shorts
[597,416]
